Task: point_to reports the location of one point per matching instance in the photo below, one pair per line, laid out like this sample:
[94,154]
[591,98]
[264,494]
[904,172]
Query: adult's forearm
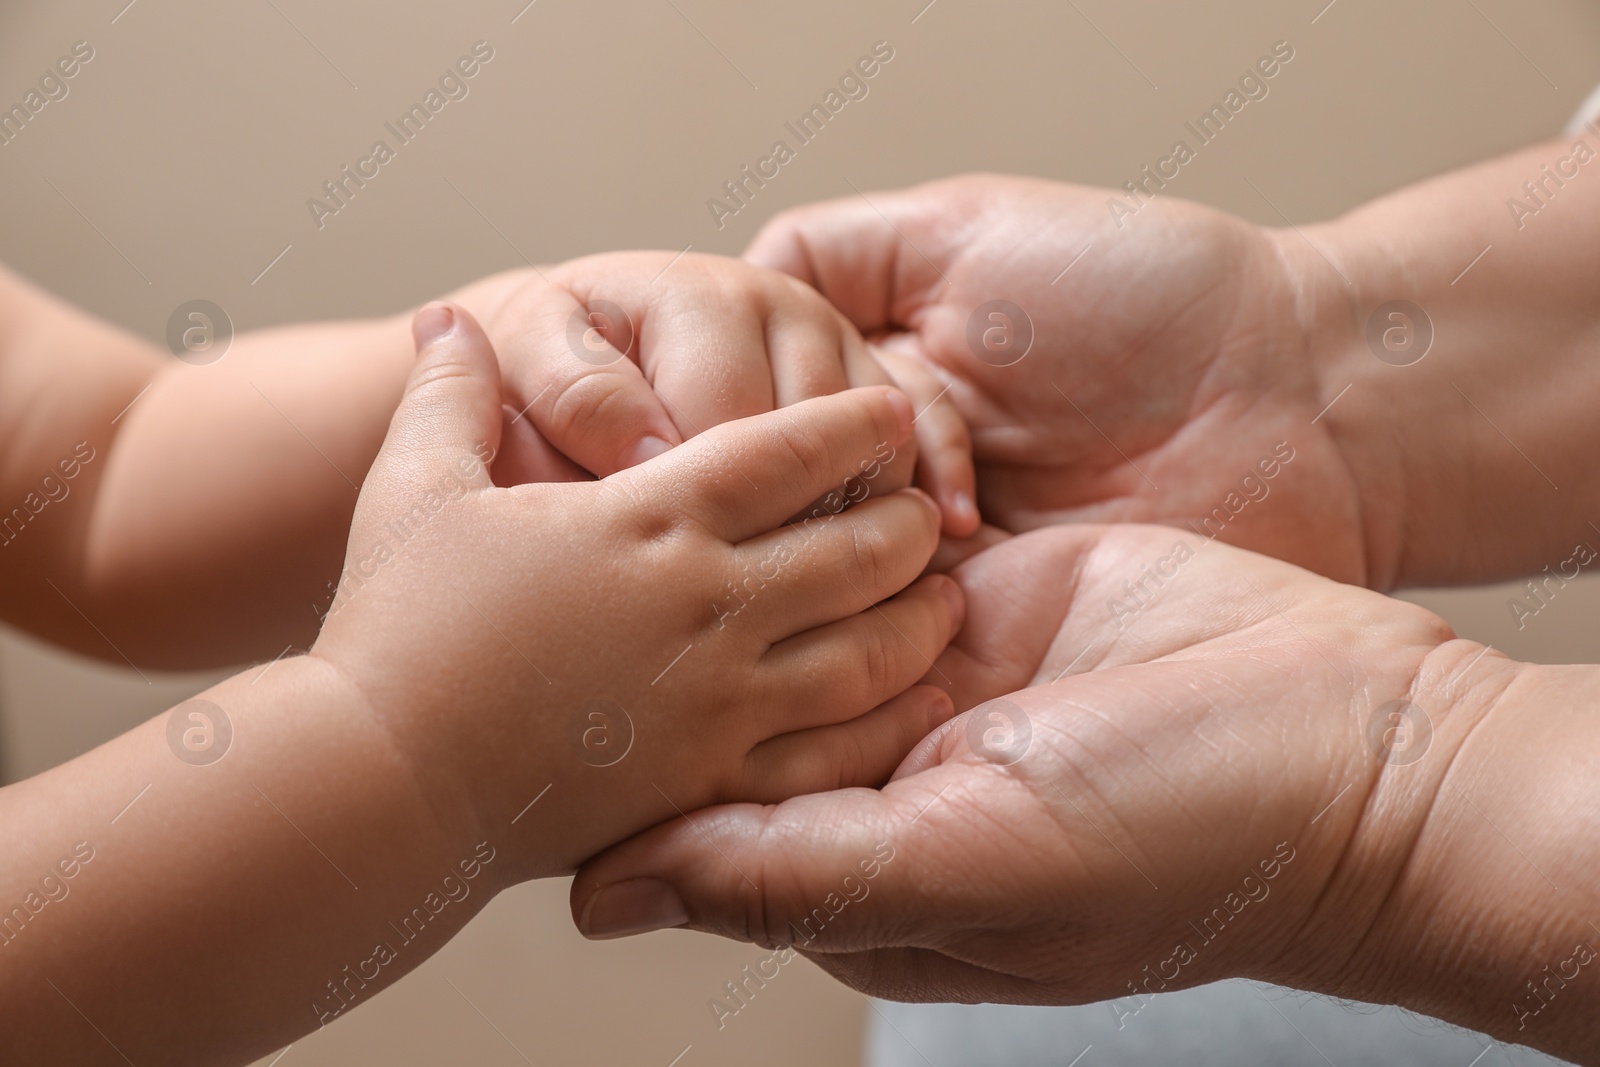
[1474,461]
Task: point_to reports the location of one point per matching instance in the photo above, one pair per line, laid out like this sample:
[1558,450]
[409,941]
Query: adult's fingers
[573,367]
[854,252]
[972,843]
[761,874]
[954,551]
[746,477]
[924,976]
[1018,593]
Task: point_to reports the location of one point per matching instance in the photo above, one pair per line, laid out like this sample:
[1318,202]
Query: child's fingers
[862,752]
[525,456]
[829,568]
[832,673]
[448,419]
[574,369]
[810,356]
[814,355]
[953,551]
[944,444]
[744,478]
[706,376]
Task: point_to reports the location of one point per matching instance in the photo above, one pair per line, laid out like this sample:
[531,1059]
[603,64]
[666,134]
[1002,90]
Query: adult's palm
[1192,794]
[1167,357]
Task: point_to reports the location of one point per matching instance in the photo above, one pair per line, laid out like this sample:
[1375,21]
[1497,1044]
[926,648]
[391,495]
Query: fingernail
[957,600]
[432,322]
[647,448]
[636,906]
[963,506]
[940,711]
[903,412]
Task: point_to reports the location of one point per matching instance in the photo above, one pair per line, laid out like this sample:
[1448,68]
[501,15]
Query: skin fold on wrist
[1327,310]
[1462,895]
[1509,855]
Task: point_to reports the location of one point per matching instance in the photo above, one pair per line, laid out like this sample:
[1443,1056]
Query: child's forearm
[185,911]
[205,515]
[1474,461]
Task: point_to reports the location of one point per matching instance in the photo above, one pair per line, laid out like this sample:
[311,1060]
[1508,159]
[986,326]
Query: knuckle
[808,455]
[769,913]
[870,556]
[442,369]
[641,517]
[880,658]
[803,300]
[581,408]
[850,762]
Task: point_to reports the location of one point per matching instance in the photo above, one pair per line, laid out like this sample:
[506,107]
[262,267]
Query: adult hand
[1221,784]
[1164,376]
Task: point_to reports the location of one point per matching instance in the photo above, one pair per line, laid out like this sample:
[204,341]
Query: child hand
[619,357]
[645,644]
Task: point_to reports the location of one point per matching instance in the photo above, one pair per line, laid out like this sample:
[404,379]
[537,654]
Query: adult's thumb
[449,421]
[829,872]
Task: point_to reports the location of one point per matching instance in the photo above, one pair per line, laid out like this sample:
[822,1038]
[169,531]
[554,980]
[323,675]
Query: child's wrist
[407,736]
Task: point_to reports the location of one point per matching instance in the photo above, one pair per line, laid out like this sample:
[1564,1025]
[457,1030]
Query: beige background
[192,141]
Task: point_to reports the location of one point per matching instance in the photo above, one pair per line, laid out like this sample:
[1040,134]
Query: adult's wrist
[1487,921]
[1465,336]
[1329,271]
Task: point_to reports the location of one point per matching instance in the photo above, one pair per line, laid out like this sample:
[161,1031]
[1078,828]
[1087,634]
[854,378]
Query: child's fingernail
[636,906]
[432,322]
[956,599]
[647,448]
[963,506]
[940,711]
[903,412]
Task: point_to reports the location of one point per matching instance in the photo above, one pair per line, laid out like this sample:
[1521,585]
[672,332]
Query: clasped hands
[1119,716]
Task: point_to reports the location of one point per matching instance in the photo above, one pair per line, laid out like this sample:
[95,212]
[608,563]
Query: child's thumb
[449,419]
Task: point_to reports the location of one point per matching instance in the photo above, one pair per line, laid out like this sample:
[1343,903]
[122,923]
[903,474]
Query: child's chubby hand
[618,357]
[625,650]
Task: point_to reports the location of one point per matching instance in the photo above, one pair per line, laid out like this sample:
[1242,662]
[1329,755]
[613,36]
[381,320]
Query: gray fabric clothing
[1229,1024]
